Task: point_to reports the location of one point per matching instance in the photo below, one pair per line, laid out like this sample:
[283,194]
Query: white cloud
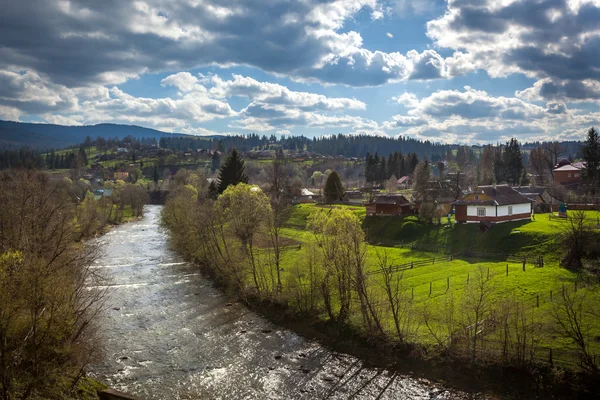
[475,116]
[553,41]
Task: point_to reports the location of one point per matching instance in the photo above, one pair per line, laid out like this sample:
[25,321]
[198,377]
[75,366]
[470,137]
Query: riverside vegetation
[517,316]
[48,292]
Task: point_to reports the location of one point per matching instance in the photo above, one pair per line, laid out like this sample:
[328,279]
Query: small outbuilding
[306,196]
[390,205]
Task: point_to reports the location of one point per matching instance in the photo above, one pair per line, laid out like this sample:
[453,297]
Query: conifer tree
[334,190]
[232,171]
[591,155]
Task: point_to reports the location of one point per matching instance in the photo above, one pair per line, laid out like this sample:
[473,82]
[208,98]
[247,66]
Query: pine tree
[334,190]
[512,161]
[232,171]
[215,162]
[591,155]
[155,175]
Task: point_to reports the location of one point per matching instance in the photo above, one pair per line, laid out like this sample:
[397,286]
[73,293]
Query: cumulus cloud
[83,43]
[472,116]
[555,41]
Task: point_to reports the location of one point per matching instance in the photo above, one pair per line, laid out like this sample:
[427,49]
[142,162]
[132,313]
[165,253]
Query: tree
[155,174]
[512,162]
[552,150]
[591,155]
[539,164]
[246,209]
[232,171]
[334,190]
[422,176]
[576,234]
[47,300]
[215,162]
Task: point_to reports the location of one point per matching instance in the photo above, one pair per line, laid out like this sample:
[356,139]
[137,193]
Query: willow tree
[247,211]
[341,239]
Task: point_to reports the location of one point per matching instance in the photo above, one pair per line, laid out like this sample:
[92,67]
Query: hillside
[45,136]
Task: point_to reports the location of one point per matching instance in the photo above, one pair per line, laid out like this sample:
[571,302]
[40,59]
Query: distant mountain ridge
[47,136]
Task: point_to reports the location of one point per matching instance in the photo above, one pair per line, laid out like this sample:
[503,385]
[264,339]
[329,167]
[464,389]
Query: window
[569,174]
[476,197]
[576,174]
[481,212]
[509,210]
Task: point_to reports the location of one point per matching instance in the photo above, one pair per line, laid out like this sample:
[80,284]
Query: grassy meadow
[438,287]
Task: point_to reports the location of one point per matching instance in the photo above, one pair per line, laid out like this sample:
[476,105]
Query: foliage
[46,310]
[334,190]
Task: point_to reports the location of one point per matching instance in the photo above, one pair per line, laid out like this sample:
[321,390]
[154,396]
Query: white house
[493,203]
[306,196]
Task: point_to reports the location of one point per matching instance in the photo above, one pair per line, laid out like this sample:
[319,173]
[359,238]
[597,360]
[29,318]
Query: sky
[455,71]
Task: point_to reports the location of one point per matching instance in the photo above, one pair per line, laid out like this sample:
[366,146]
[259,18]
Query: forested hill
[46,136]
[345,145]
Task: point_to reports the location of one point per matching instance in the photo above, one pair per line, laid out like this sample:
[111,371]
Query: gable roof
[529,190]
[391,199]
[402,180]
[306,192]
[567,168]
[500,195]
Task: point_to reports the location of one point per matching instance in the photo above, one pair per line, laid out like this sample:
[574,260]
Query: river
[169,334]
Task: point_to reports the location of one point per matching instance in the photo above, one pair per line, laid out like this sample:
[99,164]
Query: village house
[121,175]
[306,196]
[493,203]
[398,204]
[569,174]
[404,182]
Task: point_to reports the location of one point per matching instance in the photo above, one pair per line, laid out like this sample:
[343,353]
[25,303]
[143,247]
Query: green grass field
[431,286]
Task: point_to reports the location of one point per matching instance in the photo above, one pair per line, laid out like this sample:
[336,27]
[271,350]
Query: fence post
[551,295]
[537,298]
[413,294]
[451,257]
[468,276]
[488,274]
[448,283]
[411,265]
[542,261]
[524,262]
[430,286]
[523,265]
[506,269]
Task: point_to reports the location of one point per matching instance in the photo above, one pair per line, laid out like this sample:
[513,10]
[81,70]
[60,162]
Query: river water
[168,334]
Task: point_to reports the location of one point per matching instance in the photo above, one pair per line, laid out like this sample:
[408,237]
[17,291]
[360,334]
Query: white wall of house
[490,211]
[524,208]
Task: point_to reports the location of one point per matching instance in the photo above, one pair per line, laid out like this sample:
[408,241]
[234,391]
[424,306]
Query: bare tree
[576,236]
[553,151]
[477,307]
[575,318]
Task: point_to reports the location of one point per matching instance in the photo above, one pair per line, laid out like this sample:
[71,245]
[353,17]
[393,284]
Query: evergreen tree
[591,155]
[499,172]
[82,156]
[155,174]
[334,190]
[512,161]
[215,162]
[232,171]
